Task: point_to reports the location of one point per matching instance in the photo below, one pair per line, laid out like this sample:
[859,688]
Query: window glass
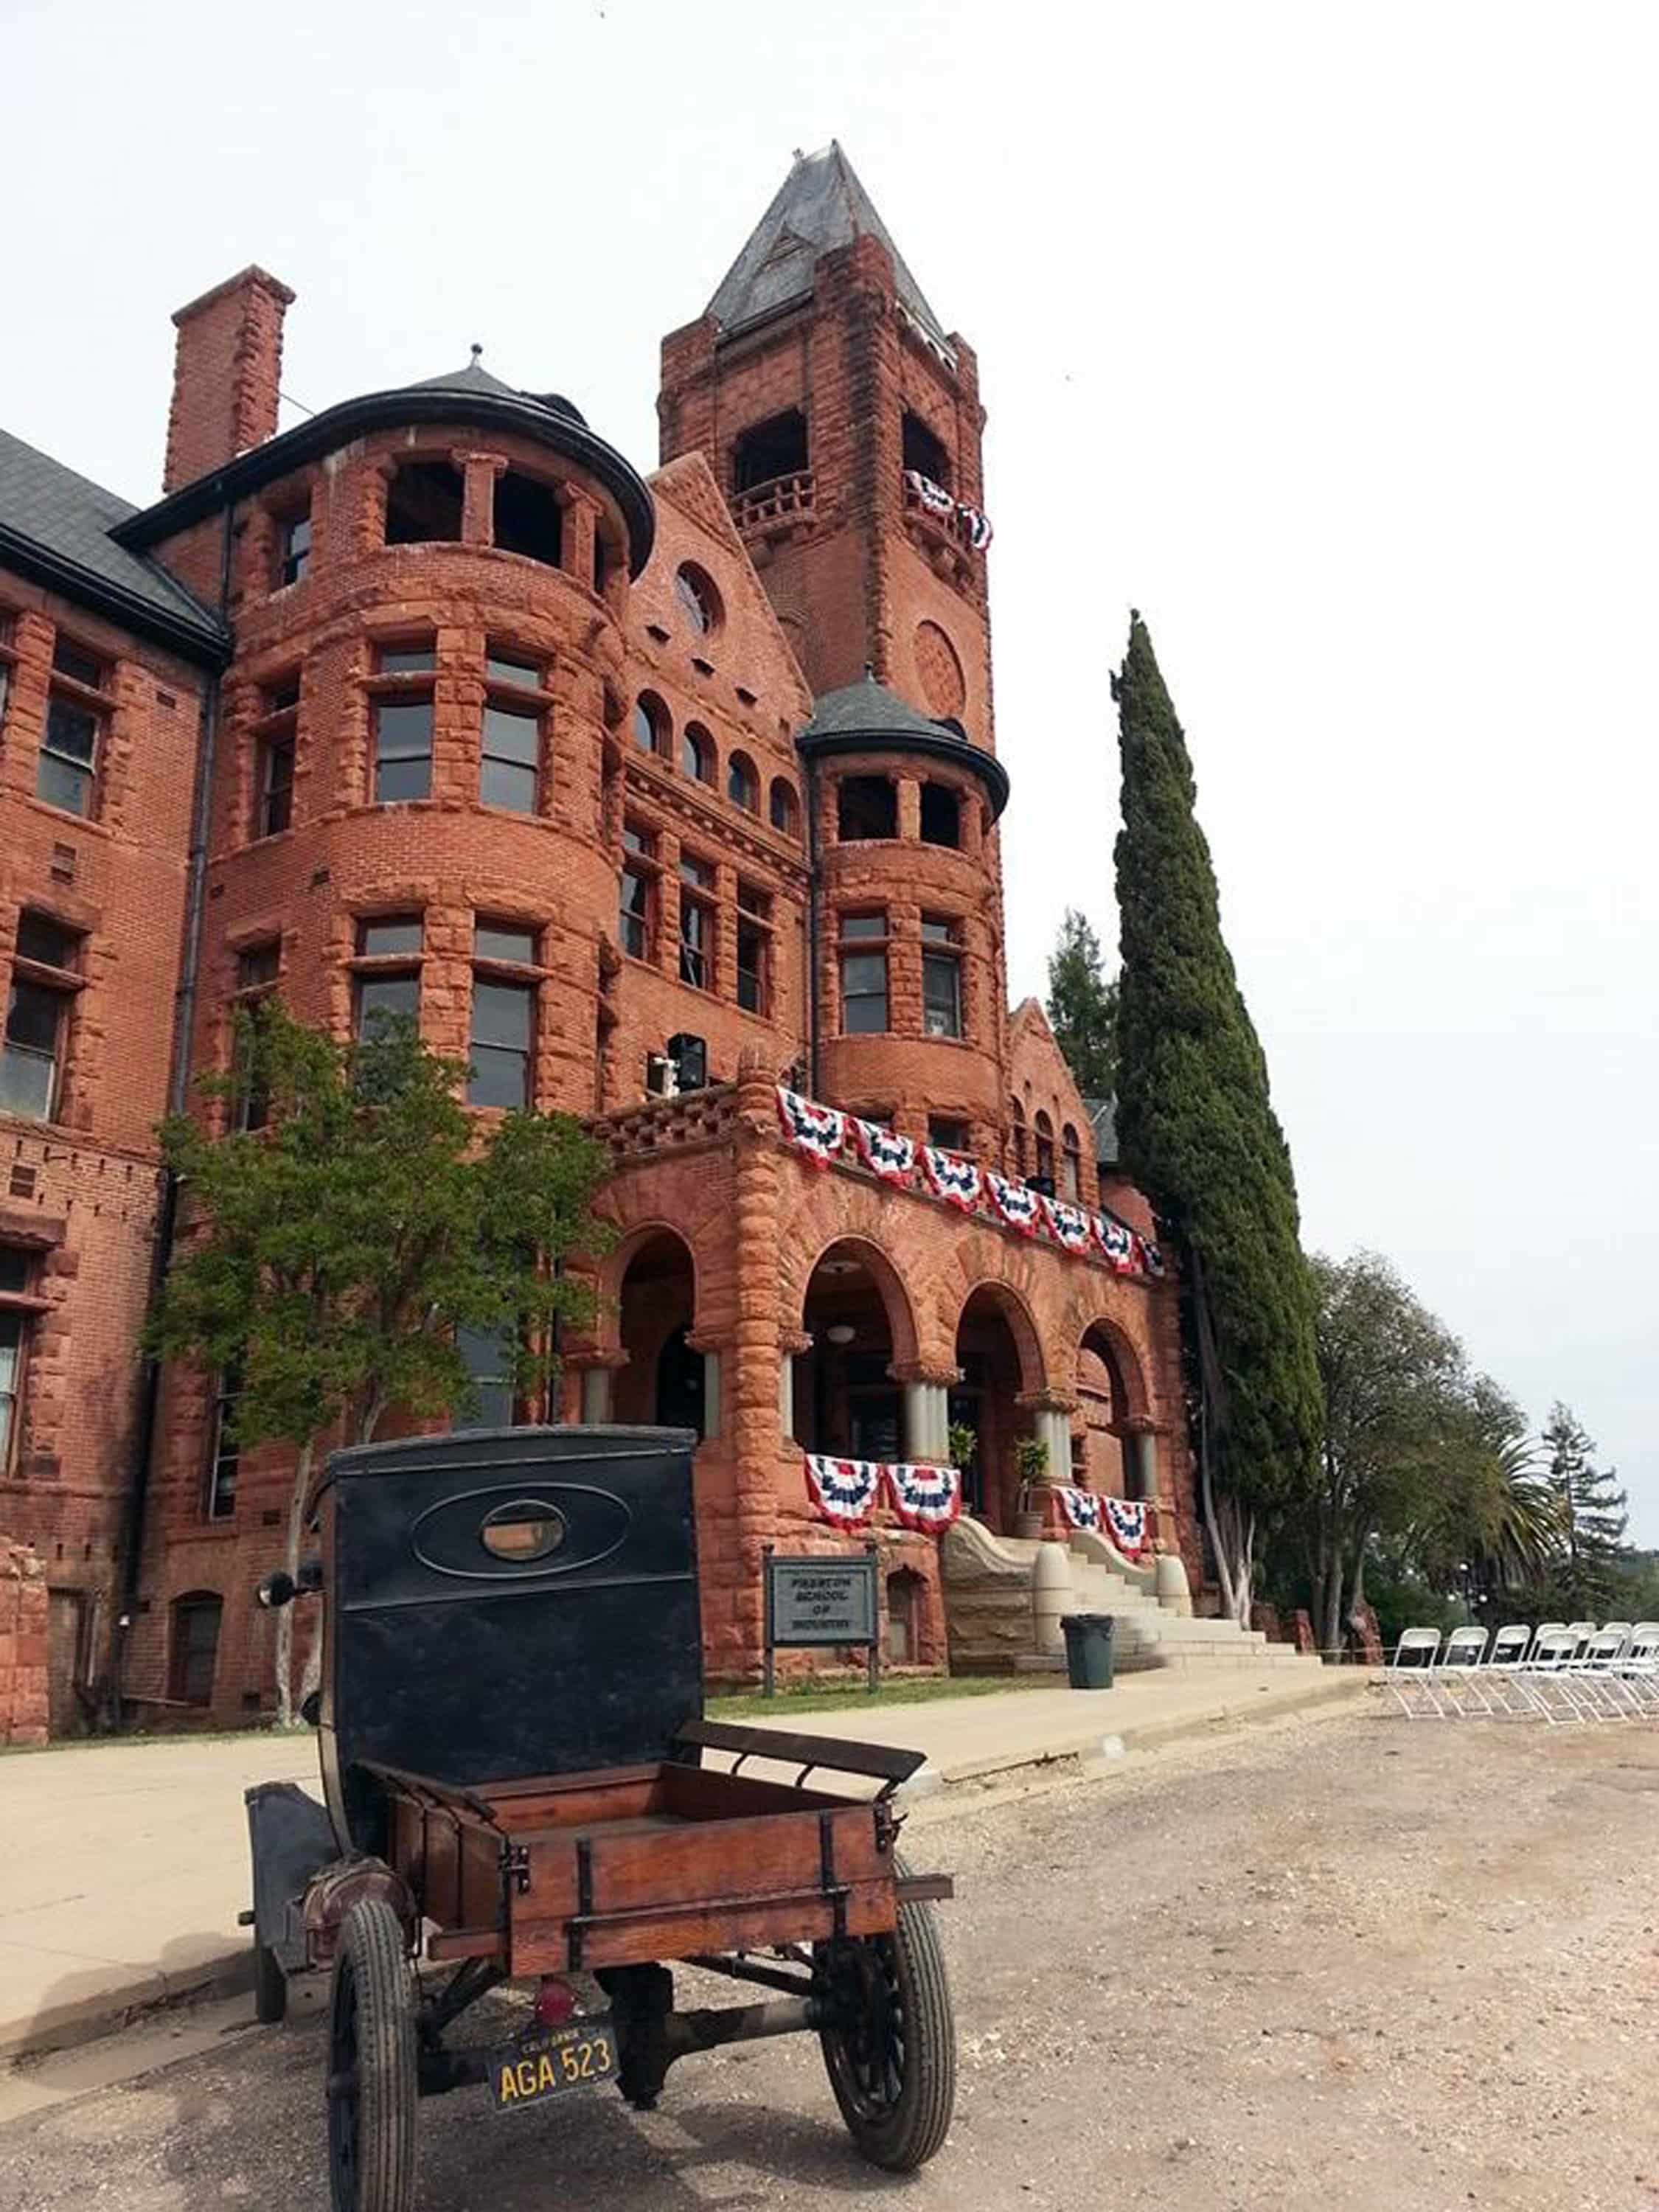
[386,934]
[28,1063]
[14,1270]
[402,748]
[697,933]
[941,995]
[503,668]
[488,1356]
[281,697]
[70,659]
[699,602]
[742,785]
[697,754]
[751,966]
[195,1649]
[864,925]
[863,992]
[406,660]
[938,929]
[635,840]
[227,1451]
[946,1134]
[512,750]
[259,965]
[694,871]
[11,1363]
[753,900]
[385,999]
[493,940]
[501,1044]
[783,808]
[276,786]
[40,938]
[650,723]
[634,919]
[69,753]
[296,543]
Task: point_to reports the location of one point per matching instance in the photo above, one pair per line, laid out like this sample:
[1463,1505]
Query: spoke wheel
[372,2088]
[891,2056]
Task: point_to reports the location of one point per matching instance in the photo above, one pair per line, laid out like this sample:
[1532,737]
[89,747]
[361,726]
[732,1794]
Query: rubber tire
[371,1963]
[917,2123]
[269,1986]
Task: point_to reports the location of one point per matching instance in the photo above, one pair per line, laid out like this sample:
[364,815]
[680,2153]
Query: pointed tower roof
[820,207]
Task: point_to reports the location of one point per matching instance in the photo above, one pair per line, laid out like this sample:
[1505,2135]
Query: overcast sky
[1323,334]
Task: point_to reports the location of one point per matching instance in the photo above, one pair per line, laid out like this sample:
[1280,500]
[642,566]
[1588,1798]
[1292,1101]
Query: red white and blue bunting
[977,527]
[1080,1507]
[883,1151]
[1069,1225]
[825,1133]
[1125,1524]
[817,1131]
[1019,1206]
[935,500]
[949,1176]
[924,1497]
[845,1491]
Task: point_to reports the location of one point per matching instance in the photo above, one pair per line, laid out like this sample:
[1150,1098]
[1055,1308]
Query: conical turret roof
[820,207]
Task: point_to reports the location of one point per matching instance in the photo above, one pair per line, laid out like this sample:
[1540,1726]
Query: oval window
[527,1528]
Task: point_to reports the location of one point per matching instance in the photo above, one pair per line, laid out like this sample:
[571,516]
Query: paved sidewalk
[125,1864]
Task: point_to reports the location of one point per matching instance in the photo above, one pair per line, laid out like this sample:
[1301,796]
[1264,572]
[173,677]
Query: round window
[526,1529]
[699,602]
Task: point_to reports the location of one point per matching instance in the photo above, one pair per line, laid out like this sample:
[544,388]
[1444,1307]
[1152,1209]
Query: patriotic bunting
[817,1131]
[883,1151]
[1069,1225]
[977,526]
[933,496]
[1020,1208]
[949,1176]
[845,1491]
[924,1497]
[1116,1242]
[1125,1524]
[1080,1507]
[824,1134]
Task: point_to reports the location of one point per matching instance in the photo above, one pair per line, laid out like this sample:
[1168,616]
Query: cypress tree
[1197,1131]
[1083,1007]
[1593,1518]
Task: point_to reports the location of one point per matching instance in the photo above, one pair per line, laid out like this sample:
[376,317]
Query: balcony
[783,507]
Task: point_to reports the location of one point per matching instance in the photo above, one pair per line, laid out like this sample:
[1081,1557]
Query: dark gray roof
[56,525]
[475,377]
[867,713]
[820,207]
[1102,1120]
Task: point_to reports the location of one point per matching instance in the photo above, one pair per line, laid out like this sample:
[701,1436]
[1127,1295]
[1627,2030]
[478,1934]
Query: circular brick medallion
[942,685]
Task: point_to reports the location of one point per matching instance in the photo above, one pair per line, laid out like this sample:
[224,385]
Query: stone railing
[665,1125]
[779,504]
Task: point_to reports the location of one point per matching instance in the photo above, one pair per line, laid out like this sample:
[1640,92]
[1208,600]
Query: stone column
[710,1349]
[927,1410]
[752,1382]
[790,1347]
[576,550]
[478,475]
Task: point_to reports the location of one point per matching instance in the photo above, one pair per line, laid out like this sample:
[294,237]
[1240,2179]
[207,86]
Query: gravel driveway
[1341,1963]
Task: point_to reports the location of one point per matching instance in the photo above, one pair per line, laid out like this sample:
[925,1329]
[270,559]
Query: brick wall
[228,366]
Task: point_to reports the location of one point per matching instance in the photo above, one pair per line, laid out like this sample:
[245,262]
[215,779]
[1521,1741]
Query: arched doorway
[995,1371]
[847,1399]
[1104,1456]
[662,1380]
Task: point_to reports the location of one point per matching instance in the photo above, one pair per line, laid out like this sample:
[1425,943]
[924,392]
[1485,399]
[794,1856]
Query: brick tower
[843,425]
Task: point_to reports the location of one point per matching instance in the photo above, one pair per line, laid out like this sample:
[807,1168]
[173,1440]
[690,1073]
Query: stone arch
[1101,1334]
[652,1311]
[1014,1310]
[614,1272]
[889,1282]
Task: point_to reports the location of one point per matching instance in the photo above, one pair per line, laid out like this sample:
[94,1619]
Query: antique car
[521,1788]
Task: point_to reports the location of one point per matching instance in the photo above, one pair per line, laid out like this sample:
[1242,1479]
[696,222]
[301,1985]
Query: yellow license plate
[539,2066]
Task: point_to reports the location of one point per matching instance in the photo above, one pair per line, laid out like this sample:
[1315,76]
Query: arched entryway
[662,1379]
[847,1398]
[1106,1452]
[996,1354]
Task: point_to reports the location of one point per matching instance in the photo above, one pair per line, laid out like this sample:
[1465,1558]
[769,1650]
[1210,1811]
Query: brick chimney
[225,374]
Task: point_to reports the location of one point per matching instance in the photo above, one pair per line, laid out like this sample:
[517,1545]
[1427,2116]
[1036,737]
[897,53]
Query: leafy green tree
[1592,1567]
[1197,1131]
[1083,1007]
[331,1257]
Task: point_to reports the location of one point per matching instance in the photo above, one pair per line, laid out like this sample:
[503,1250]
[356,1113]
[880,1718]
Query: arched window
[653,729]
[1045,1149]
[742,784]
[699,602]
[697,753]
[1017,1130]
[785,807]
[1071,1166]
[194,1652]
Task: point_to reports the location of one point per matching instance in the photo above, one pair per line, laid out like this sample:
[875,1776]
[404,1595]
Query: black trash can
[1088,1649]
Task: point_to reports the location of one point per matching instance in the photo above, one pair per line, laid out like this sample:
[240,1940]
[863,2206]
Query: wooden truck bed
[551,1874]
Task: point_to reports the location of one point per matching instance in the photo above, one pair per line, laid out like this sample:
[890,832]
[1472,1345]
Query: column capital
[1046,1401]
[941,1376]
[612,1358]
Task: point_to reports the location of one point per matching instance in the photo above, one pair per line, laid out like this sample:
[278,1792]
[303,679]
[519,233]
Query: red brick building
[642,796]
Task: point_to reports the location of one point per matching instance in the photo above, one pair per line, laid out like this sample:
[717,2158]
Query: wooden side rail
[882,1760]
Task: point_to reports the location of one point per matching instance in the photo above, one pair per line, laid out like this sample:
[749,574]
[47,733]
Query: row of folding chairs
[1561,1671]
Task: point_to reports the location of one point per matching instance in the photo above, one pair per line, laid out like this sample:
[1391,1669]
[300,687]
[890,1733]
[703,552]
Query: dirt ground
[1339,1963]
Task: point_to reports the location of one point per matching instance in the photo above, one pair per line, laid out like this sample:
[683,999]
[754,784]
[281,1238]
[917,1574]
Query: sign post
[821,1598]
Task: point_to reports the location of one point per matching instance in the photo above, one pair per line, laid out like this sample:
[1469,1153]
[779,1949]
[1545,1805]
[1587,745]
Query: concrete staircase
[992,1613]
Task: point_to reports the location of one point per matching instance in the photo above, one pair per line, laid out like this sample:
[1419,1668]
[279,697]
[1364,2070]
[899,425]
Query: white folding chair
[1548,1676]
[1597,1664]
[1505,1671]
[1583,1630]
[1639,1668]
[1546,1628]
[1458,1670]
[1622,1628]
[1411,1672]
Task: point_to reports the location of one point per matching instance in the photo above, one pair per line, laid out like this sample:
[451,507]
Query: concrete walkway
[125,1864]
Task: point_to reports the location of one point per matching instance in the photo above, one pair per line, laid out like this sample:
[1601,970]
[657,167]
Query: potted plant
[964,1451]
[1031,1459]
